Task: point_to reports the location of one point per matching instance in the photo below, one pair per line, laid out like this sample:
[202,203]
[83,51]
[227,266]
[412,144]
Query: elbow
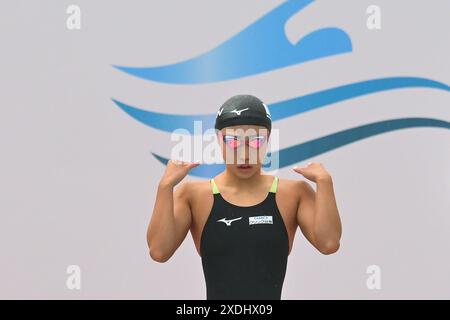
[159,252]
[155,251]
[159,256]
[329,247]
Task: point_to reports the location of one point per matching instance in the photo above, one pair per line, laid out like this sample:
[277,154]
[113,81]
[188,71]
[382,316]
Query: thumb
[298,169]
[193,165]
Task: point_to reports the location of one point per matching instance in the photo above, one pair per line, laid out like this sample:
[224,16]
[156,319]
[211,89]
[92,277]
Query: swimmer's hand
[176,170]
[314,171]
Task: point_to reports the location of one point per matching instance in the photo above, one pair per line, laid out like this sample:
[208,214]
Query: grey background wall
[78,179]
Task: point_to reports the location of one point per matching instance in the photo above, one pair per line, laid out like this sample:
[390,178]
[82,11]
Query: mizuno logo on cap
[238,112]
[267,111]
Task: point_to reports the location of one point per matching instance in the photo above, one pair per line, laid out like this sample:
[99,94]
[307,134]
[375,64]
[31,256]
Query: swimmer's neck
[228,178]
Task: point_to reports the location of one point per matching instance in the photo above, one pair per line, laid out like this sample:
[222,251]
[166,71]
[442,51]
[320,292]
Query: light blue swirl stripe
[260,47]
[309,149]
[168,122]
[283,109]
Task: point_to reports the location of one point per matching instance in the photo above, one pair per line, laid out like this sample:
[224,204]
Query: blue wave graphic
[260,47]
[309,149]
[283,109]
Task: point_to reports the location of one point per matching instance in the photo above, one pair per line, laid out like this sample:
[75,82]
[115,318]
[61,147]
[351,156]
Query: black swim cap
[243,109]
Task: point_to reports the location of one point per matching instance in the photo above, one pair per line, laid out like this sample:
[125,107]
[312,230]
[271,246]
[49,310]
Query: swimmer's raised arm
[318,215]
[171,218]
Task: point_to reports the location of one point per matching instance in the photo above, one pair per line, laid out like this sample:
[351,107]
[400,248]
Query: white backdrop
[78,179]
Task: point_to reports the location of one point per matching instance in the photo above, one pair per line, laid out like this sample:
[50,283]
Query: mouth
[244,167]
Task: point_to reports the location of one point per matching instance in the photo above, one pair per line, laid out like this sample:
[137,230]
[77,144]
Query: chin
[246,172]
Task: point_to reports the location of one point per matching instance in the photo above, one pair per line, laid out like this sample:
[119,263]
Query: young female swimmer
[243,221]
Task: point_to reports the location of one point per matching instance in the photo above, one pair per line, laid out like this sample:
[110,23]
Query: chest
[256,222]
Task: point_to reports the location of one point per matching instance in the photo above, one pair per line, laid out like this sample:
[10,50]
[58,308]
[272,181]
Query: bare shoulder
[293,187]
[199,197]
[192,189]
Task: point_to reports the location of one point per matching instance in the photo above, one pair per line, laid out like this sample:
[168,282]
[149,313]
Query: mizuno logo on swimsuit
[228,222]
[260,220]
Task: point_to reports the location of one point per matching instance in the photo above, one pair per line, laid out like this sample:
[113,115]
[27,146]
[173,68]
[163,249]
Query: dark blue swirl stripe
[309,149]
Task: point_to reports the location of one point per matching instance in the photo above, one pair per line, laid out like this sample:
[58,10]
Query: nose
[248,155]
[242,155]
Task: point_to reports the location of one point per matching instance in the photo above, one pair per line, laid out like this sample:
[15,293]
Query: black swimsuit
[244,249]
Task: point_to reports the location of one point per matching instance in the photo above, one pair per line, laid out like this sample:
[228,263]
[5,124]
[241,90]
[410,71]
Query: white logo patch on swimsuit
[228,222]
[260,220]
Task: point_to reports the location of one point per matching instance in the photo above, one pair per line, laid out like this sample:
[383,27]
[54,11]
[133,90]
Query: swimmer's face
[244,148]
